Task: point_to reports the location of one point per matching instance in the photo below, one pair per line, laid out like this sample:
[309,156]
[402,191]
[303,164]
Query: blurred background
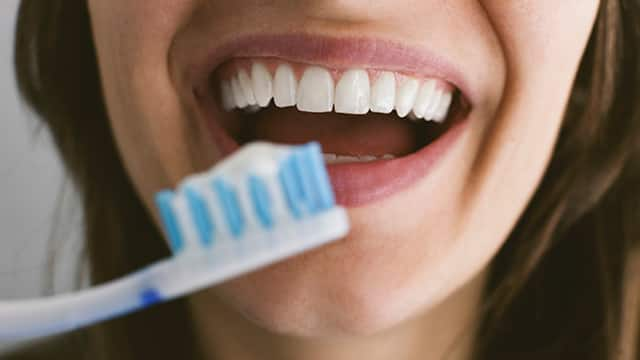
[36,257]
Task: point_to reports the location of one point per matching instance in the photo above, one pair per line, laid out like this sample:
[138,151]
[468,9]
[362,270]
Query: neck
[445,331]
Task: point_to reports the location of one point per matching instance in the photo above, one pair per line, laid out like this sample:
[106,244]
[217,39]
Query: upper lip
[330,52]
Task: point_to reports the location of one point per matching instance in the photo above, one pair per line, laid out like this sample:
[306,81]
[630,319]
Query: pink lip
[358,184]
[355,184]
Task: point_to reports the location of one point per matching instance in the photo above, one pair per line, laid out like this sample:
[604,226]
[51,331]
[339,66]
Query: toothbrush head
[259,190]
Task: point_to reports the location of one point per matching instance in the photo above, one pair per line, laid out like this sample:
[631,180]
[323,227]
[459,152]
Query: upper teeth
[316,91]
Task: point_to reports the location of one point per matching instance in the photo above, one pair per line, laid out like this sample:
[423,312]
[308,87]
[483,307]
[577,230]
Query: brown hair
[564,286]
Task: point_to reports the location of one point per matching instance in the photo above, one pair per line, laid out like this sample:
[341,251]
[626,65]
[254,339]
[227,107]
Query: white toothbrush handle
[166,279]
[24,319]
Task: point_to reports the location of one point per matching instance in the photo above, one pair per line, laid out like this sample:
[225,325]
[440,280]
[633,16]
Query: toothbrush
[261,205]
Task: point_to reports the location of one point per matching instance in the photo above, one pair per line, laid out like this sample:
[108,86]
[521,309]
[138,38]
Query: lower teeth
[343,159]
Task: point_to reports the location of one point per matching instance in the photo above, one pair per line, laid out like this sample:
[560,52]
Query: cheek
[542,42]
[149,122]
[542,39]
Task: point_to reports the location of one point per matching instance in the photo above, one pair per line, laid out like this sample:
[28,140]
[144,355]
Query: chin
[379,277]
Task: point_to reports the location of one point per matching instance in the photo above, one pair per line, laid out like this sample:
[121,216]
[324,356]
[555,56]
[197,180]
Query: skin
[407,281]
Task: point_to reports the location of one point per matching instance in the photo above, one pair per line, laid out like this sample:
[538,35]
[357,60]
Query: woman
[514,235]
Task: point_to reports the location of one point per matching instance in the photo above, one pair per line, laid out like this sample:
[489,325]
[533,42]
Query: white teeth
[262,84]
[315,91]
[367,158]
[329,158]
[251,109]
[383,93]
[353,93]
[228,102]
[406,97]
[284,86]
[433,106]
[443,107]
[344,159]
[247,87]
[424,98]
[238,94]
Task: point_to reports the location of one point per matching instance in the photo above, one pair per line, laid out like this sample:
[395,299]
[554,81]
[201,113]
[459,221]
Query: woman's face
[426,221]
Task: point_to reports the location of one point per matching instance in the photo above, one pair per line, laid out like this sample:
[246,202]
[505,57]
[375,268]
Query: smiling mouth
[380,130]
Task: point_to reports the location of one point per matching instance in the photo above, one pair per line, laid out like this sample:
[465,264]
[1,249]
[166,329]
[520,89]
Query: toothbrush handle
[25,319]
[167,279]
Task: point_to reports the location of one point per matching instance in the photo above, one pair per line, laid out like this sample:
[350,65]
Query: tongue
[370,134]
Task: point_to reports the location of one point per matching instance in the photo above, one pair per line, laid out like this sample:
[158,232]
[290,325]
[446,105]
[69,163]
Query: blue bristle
[296,177]
[261,201]
[163,201]
[149,297]
[230,206]
[200,214]
[308,171]
[301,166]
[320,177]
[291,189]
[303,178]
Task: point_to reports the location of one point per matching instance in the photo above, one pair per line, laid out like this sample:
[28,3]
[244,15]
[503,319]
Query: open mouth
[379,130]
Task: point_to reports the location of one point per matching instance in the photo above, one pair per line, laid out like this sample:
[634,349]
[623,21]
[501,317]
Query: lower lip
[359,184]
